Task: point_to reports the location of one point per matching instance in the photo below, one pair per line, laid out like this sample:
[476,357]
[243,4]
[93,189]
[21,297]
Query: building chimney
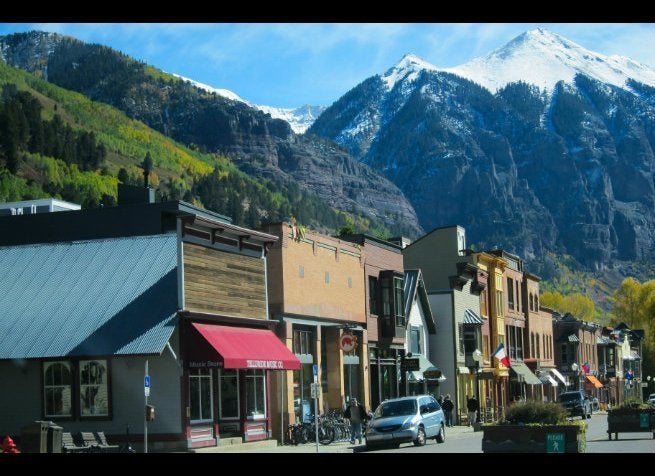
[130,194]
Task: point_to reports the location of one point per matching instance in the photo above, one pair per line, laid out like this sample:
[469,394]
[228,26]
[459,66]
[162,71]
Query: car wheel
[441,436]
[420,437]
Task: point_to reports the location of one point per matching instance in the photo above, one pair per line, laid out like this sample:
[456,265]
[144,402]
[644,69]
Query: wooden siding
[223,283]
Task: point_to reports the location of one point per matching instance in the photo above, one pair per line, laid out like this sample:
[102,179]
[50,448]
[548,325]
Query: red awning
[246,348]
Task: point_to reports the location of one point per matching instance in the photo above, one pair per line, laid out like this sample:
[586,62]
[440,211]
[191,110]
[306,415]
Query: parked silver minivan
[407,419]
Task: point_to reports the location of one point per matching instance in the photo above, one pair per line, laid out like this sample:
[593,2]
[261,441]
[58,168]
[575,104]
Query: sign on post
[146,385]
[555,443]
[408,365]
[315,372]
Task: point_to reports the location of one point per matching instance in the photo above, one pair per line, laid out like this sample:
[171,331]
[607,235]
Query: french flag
[501,355]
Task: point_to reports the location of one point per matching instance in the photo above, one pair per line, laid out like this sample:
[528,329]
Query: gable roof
[415,287]
[115,296]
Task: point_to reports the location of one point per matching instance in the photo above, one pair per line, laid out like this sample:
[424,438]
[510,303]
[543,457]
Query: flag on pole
[585,367]
[501,355]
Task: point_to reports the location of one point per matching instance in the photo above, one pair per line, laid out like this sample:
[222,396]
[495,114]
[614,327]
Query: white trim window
[255,393]
[201,396]
[94,391]
[57,389]
[229,394]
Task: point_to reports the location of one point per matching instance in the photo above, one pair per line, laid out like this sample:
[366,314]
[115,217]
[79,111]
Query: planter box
[630,420]
[532,439]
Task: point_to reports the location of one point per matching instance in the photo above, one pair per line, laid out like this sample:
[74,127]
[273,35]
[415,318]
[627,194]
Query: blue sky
[290,64]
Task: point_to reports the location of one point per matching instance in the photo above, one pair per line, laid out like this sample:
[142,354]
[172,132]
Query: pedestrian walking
[472,406]
[357,415]
[448,408]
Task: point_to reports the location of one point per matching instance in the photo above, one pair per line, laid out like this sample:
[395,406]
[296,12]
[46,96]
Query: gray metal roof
[88,298]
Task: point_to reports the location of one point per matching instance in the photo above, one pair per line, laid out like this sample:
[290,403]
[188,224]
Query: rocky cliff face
[259,144]
[568,170]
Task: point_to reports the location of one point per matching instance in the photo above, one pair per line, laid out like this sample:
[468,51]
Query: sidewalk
[271,446]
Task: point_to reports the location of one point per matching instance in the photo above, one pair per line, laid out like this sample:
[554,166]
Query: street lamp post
[574,368]
[477,357]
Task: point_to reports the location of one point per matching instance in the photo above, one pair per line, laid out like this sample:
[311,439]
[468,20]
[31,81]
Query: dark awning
[241,348]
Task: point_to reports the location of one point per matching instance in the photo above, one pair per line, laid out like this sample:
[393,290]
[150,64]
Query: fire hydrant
[8,445]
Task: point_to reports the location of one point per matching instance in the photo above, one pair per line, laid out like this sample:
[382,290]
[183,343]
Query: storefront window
[229,384]
[255,393]
[200,395]
[57,389]
[94,391]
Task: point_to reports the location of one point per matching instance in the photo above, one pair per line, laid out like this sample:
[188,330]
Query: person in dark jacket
[357,415]
[448,408]
[472,406]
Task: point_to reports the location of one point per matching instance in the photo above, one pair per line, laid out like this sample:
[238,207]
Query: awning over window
[240,348]
[525,373]
[427,370]
[559,376]
[470,317]
[545,378]
[595,381]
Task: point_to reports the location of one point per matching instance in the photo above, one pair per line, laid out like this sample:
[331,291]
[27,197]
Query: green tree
[146,165]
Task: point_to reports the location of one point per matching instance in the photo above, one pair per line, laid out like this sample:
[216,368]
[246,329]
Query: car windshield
[568,397]
[396,408]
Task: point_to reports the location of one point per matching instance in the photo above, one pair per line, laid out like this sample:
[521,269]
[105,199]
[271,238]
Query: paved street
[461,439]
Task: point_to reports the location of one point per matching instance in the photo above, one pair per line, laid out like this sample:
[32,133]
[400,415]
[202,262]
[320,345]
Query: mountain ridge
[568,170]
[259,144]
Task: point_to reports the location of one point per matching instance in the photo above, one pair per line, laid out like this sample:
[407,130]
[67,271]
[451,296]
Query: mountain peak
[408,68]
[543,58]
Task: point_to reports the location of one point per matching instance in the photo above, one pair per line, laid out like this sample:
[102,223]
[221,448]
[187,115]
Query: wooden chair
[104,444]
[90,442]
[69,445]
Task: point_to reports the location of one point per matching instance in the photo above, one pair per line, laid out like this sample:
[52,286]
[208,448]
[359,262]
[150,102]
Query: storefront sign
[347,342]
[264,364]
[410,365]
[206,364]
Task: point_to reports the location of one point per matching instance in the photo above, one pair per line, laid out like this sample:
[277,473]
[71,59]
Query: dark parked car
[406,419]
[576,403]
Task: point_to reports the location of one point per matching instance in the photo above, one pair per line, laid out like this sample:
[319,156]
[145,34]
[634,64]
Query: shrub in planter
[631,416]
[532,411]
[534,427]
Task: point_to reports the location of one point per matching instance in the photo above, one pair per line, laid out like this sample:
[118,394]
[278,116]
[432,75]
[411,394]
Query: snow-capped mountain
[543,58]
[299,118]
[481,145]
[407,69]
[226,93]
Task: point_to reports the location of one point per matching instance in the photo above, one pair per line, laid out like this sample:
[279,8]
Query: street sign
[555,443]
[315,390]
[146,385]
[407,365]
[315,370]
